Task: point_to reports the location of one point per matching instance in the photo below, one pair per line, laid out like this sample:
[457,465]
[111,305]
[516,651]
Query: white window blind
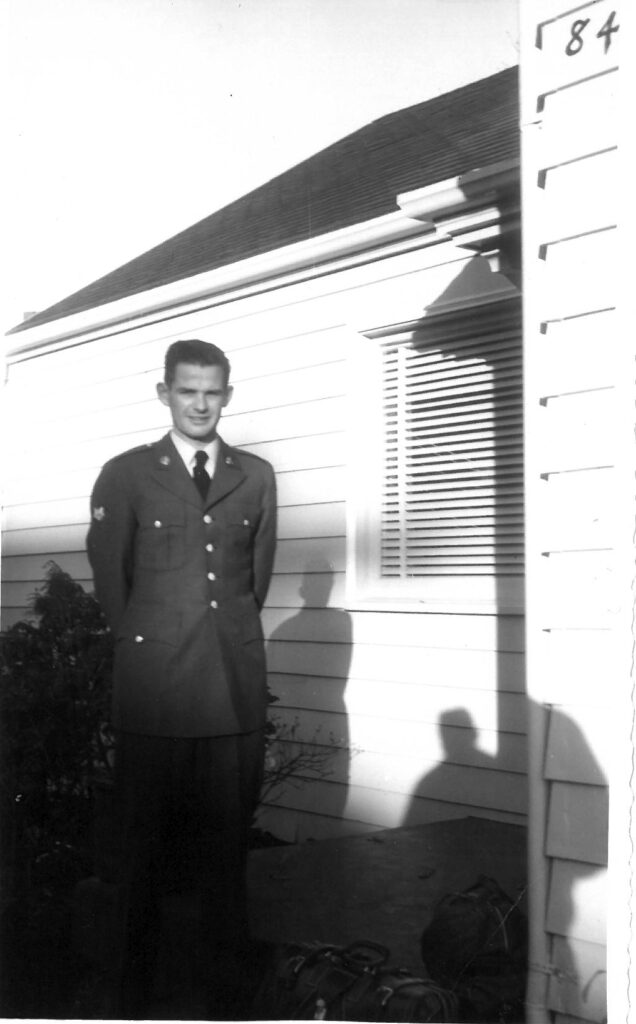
[452,436]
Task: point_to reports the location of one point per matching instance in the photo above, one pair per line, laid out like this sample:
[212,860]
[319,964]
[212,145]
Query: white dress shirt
[187,450]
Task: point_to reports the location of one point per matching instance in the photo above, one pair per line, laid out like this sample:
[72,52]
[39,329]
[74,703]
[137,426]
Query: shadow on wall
[576,843]
[308,657]
[458,736]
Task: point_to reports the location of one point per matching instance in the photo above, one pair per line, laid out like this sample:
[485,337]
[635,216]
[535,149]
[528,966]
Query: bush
[54,705]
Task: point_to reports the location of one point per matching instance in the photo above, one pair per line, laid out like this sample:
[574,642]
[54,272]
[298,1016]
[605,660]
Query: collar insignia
[165,460]
[99,514]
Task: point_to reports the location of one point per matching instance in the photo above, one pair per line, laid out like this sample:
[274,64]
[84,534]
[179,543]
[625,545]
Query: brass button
[214,604]
[209,547]
[157,523]
[139,639]
[207,519]
[211,575]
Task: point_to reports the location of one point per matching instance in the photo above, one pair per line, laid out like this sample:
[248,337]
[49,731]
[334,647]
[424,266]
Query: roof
[354,180]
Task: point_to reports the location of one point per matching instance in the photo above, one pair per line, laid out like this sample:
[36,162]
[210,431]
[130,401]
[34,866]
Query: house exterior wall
[580,509]
[365,685]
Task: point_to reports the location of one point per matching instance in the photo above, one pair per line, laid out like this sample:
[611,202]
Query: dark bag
[476,945]
[320,982]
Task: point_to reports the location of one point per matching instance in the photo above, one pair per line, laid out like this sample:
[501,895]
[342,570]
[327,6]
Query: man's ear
[162,393]
[229,391]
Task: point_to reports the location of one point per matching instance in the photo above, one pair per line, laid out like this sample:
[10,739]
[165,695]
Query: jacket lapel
[170,472]
[228,474]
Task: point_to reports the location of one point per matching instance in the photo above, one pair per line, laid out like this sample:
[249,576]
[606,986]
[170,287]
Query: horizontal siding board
[380,809]
[306,521]
[456,669]
[565,134]
[46,539]
[311,418]
[461,632]
[581,178]
[467,732]
[313,486]
[579,744]
[570,360]
[284,590]
[580,590]
[579,430]
[145,415]
[31,568]
[577,825]
[309,553]
[425,704]
[594,284]
[294,488]
[577,903]
[578,985]
[572,662]
[578,511]
[301,453]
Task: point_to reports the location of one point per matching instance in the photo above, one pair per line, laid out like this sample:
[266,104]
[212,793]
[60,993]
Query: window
[438,509]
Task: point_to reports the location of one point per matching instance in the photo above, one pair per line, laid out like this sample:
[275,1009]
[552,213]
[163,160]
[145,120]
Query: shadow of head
[317,584]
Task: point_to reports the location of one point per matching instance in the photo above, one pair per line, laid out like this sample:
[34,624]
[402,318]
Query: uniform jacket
[181,582]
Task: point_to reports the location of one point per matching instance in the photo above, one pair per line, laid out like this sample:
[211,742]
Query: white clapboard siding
[578,822]
[578,981]
[285,591]
[570,349]
[456,669]
[574,664]
[358,719]
[373,686]
[576,416]
[489,633]
[380,809]
[579,742]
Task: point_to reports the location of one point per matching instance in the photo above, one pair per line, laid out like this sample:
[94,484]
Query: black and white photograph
[317,630]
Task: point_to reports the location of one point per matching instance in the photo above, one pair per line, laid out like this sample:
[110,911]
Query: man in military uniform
[181,544]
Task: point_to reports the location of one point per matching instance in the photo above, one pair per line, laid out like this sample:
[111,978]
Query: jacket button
[209,547]
[157,522]
[214,604]
[139,639]
[211,575]
[207,519]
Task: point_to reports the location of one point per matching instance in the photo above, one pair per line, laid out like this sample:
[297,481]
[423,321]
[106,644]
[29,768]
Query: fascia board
[355,245]
[413,226]
[473,189]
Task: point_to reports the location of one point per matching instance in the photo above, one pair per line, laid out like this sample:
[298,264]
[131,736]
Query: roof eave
[423,219]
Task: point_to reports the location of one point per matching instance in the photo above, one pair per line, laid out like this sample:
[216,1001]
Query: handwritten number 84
[575,44]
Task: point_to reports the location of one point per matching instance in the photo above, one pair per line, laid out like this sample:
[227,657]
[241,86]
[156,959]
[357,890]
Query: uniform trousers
[185,807]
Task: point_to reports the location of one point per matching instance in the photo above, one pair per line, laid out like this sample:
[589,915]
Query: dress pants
[185,807]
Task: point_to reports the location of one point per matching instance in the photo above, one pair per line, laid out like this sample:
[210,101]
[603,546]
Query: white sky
[129,120]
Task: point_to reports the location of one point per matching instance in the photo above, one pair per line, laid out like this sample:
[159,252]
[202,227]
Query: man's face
[196,399]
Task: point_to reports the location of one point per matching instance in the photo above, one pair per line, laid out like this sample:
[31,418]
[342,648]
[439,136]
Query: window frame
[366,589]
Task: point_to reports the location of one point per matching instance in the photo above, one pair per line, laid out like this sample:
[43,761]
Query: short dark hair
[196,353]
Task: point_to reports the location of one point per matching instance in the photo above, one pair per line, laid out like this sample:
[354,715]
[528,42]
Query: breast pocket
[161,540]
[239,526]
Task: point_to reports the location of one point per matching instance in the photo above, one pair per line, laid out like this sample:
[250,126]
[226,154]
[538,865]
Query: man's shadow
[458,737]
[308,658]
[576,827]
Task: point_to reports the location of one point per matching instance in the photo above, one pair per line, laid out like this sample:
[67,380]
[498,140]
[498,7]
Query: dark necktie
[200,475]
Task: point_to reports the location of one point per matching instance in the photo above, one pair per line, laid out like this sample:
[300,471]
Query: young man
[181,544]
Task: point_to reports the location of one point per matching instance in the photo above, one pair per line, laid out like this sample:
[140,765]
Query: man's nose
[201,403]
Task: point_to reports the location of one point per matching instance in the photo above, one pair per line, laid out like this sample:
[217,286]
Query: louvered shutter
[452,491]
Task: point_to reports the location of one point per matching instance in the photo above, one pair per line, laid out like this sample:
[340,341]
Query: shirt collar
[187,450]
